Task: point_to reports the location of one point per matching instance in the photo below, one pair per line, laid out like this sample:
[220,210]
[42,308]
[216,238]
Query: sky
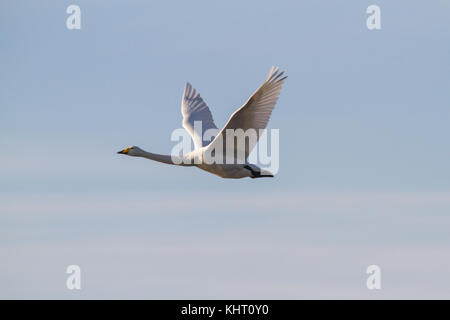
[363,177]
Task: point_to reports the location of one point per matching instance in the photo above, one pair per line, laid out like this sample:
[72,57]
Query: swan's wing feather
[193,109]
[255,113]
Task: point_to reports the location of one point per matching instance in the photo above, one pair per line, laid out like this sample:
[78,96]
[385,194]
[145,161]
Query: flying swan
[253,115]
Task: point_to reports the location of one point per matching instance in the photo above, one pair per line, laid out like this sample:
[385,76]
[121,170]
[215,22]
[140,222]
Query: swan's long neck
[162,158]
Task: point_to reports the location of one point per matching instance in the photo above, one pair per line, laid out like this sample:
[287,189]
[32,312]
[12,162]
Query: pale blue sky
[364,175]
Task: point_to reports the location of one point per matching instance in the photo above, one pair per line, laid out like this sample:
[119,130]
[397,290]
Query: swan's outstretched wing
[194,109]
[255,113]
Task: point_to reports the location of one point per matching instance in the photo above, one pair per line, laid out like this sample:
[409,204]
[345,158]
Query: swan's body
[254,114]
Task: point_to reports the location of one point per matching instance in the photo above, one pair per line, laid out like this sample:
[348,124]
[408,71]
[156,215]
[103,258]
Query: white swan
[254,114]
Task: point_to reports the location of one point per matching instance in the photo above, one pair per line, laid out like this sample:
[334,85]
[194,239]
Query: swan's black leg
[257,174]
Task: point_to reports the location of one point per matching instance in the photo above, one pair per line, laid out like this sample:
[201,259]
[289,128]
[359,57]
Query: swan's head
[130,151]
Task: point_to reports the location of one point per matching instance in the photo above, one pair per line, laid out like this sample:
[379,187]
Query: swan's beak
[124,151]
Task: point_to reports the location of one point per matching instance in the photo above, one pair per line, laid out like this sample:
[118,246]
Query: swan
[254,114]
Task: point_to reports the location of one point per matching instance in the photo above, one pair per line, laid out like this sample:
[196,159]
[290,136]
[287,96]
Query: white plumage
[253,115]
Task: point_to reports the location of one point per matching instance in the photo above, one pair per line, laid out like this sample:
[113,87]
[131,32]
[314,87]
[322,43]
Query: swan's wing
[255,113]
[194,109]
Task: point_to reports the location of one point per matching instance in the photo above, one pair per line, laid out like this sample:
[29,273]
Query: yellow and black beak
[124,151]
